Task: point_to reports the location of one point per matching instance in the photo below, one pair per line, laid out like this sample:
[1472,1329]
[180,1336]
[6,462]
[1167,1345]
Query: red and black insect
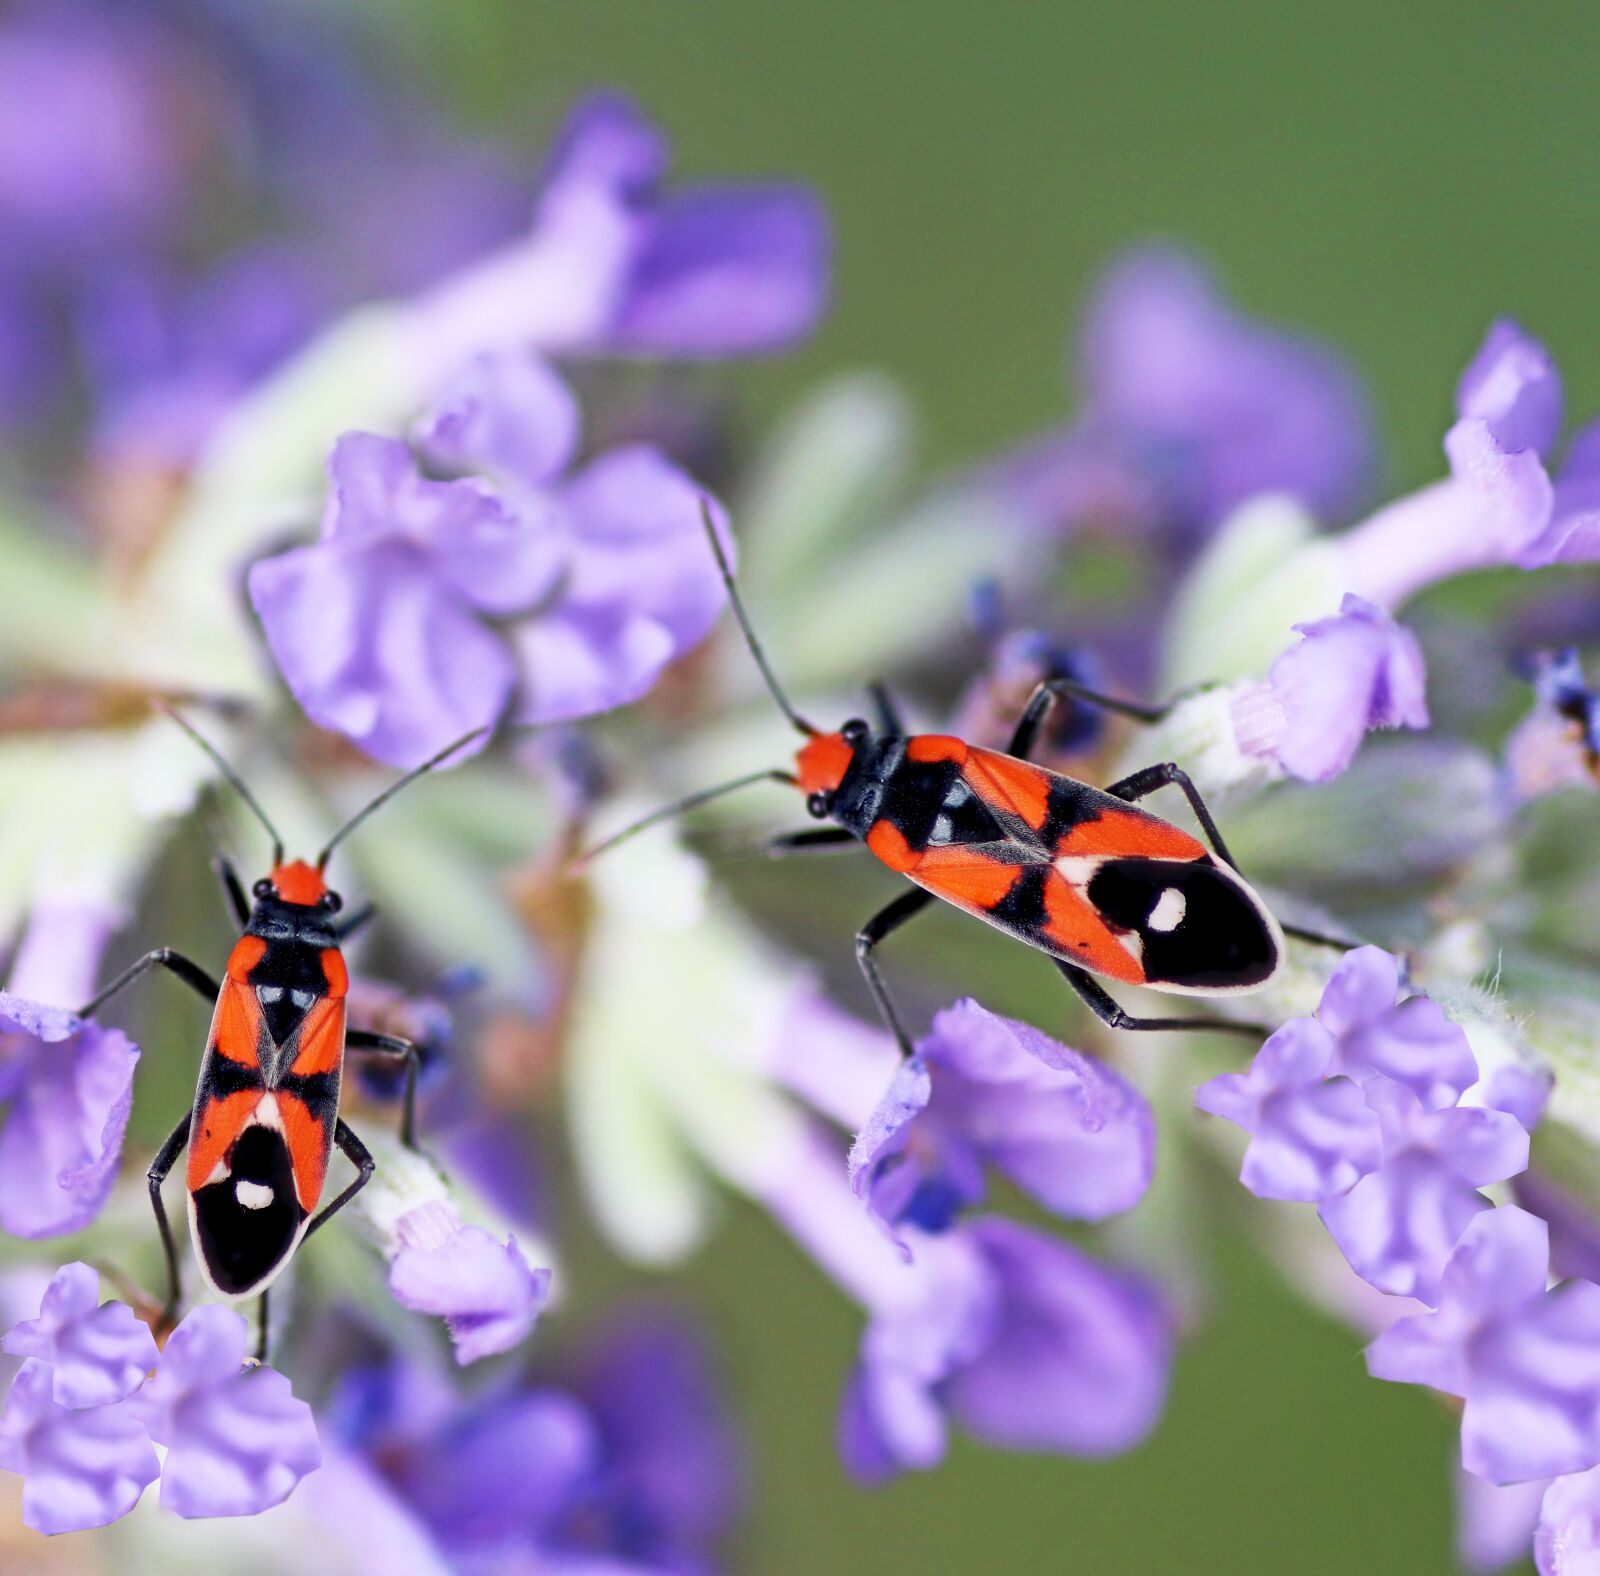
[266,1110]
[1100,886]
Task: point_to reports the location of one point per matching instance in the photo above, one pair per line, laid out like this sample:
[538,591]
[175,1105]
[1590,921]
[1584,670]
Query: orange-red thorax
[821,762]
[300,883]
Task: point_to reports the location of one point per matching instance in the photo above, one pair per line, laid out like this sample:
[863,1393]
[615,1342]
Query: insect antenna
[737,603]
[228,772]
[394,788]
[679,807]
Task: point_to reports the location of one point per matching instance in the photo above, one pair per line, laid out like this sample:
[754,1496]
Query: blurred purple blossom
[432,607]
[1495,1523]
[237,1440]
[482,1288]
[80,1468]
[986,1090]
[1190,407]
[616,265]
[634,1470]
[98,1352]
[67,1088]
[1525,1360]
[1558,744]
[1398,1225]
[1567,1539]
[1023,1340]
[1351,673]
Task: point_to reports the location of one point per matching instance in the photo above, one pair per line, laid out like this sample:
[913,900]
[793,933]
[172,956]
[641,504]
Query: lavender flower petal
[1312,1136]
[80,1467]
[1567,1541]
[1495,1525]
[69,1087]
[237,1440]
[483,1289]
[1353,672]
[98,1354]
[1513,387]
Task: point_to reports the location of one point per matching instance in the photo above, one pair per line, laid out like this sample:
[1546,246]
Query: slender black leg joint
[190,973]
[1143,783]
[159,1169]
[809,841]
[1317,938]
[262,1327]
[393,1045]
[1043,698]
[232,889]
[1099,1001]
[883,923]
[360,1157]
[358,921]
[889,719]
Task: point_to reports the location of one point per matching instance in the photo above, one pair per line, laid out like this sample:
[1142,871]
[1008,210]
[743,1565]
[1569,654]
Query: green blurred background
[1388,176]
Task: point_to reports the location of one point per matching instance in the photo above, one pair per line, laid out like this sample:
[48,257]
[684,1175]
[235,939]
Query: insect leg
[159,1168]
[1317,939]
[1099,1001]
[357,921]
[889,718]
[1145,782]
[812,838]
[262,1327]
[359,1156]
[232,889]
[1043,698]
[883,923]
[393,1045]
[191,974]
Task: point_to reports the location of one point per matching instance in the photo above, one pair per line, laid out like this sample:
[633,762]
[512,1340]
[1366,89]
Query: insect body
[266,1117]
[1103,888]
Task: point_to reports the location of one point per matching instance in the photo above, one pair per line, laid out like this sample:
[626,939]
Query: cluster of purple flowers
[1024,1340]
[85,1412]
[1359,1111]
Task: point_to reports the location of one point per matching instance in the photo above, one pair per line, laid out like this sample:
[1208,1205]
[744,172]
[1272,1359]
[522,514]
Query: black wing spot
[245,1225]
[1219,938]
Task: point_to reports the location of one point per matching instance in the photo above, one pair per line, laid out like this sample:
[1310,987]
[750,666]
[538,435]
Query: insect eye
[263,888]
[331,901]
[820,804]
[854,731]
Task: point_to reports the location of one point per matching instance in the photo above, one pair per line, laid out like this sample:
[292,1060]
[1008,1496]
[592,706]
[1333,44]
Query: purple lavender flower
[1190,408]
[633,1471]
[1558,744]
[1312,1136]
[1567,1540]
[80,1467]
[98,1353]
[616,266]
[237,1440]
[1351,673]
[1526,1361]
[985,1090]
[1494,1523]
[1023,1340]
[429,608]
[483,1289]
[68,1087]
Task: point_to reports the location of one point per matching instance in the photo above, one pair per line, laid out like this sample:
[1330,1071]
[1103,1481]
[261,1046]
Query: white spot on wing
[1078,869]
[1168,911]
[252,1195]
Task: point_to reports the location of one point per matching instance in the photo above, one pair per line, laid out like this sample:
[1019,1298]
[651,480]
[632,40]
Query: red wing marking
[335,972]
[247,952]
[1074,930]
[1129,834]
[308,1139]
[236,1024]
[1005,783]
[936,747]
[320,1047]
[216,1124]
[888,842]
[964,877]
